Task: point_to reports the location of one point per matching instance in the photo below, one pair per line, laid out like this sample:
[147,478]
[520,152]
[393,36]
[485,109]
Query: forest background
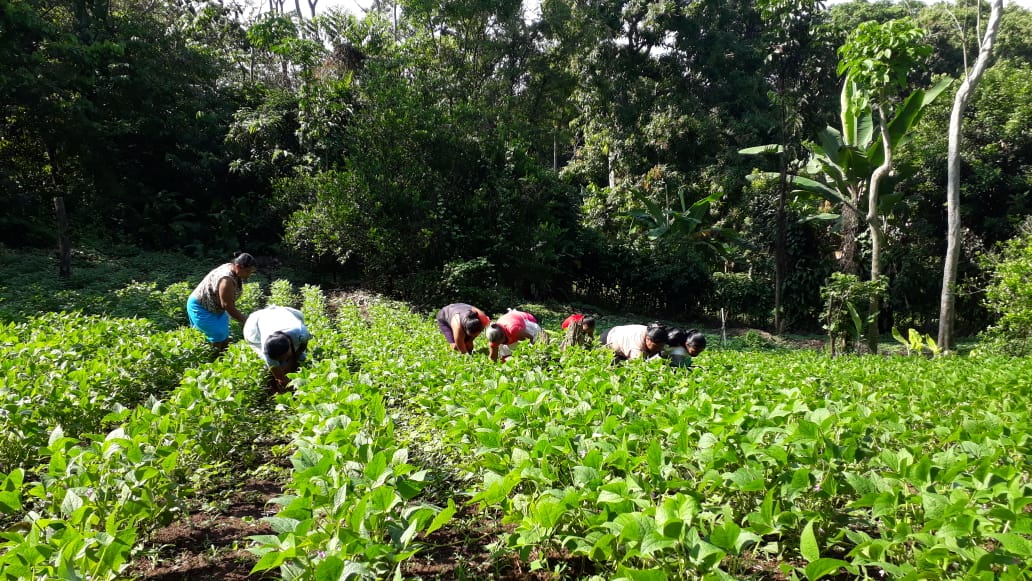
[586,152]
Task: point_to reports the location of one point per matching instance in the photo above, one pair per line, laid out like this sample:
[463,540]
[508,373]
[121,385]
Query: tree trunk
[780,250]
[850,226]
[947,300]
[555,148]
[874,225]
[780,253]
[64,244]
[611,158]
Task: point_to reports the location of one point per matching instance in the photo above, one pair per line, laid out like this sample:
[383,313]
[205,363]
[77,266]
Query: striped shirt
[207,292]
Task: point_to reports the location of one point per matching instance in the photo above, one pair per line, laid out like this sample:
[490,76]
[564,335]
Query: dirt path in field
[467,548]
[211,545]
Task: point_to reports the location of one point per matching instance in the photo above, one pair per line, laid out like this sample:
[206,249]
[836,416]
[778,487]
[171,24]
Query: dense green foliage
[1010,295]
[865,466]
[109,427]
[476,150]
[650,472]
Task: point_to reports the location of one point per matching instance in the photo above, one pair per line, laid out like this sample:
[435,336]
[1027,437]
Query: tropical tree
[856,161]
[432,156]
[668,85]
[691,223]
[112,106]
[790,29]
[1009,295]
[953,234]
[876,59]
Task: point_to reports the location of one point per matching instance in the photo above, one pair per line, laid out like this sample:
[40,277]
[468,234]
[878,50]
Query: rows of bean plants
[111,425]
[351,508]
[108,427]
[897,467]
[877,467]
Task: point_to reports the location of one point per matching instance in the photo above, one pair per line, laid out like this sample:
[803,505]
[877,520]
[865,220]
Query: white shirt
[678,356]
[264,322]
[627,340]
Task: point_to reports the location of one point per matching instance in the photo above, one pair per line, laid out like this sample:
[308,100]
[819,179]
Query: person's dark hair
[471,323]
[588,323]
[277,345]
[676,337]
[657,333]
[696,339]
[495,333]
[244,260]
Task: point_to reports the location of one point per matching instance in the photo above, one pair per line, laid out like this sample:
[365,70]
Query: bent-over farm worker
[279,336]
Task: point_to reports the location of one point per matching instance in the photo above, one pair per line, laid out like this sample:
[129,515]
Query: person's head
[495,334]
[278,346]
[244,264]
[472,324]
[676,337]
[655,337]
[588,325]
[695,342]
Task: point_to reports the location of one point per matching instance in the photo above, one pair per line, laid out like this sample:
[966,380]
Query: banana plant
[691,223]
[915,343]
[851,168]
[841,161]
[847,158]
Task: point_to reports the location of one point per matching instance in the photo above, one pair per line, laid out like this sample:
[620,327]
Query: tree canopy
[477,150]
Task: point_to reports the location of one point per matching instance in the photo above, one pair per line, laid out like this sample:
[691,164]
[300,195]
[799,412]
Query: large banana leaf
[761,149]
[832,144]
[845,160]
[856,118]
[816,188]
[907,116]
[848,116]
[687,223]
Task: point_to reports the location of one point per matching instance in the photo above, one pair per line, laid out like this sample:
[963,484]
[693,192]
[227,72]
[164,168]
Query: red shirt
[574,318]
[513,323]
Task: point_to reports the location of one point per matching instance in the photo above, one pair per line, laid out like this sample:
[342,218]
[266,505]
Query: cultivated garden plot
[761,465]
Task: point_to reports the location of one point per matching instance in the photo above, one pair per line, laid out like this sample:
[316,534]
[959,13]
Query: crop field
[760,464]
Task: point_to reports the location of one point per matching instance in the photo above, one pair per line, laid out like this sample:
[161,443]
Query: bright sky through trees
[353,5]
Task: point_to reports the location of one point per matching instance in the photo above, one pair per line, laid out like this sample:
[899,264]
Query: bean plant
[853,467]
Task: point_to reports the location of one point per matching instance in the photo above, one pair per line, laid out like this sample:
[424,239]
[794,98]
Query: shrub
[475,282]
[1009,295]
[746,298]
[845,301]
[666,281]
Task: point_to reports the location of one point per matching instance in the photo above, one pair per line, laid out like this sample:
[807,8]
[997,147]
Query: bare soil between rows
[211,545]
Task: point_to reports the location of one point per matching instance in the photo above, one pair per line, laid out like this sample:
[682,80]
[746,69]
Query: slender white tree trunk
[947,301]
[875,226]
